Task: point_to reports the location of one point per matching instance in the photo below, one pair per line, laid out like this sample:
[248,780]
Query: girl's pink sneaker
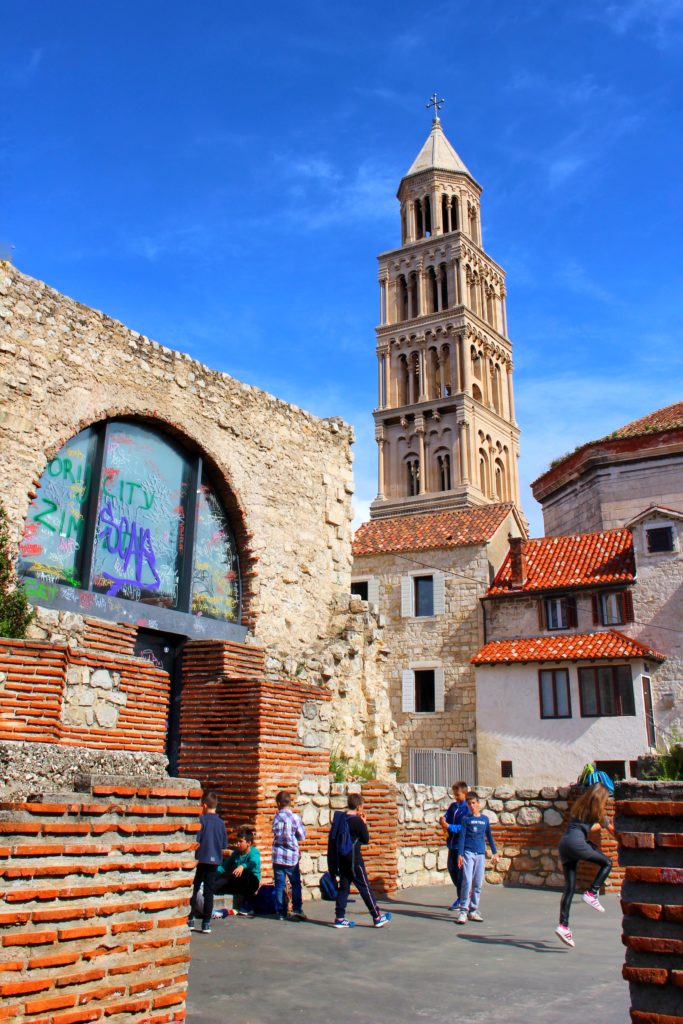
[565,934]
[592,900]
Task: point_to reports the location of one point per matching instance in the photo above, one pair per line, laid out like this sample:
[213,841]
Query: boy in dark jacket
[451,821]
[348,868]
[212,840]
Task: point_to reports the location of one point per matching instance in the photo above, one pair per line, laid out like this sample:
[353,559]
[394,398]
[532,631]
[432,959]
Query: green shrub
[344,769]
[15,611]
[668,764]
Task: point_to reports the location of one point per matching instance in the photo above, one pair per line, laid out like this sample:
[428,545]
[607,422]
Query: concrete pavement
[420,968]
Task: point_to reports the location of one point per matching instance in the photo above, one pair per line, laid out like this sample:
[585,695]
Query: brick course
[114,926]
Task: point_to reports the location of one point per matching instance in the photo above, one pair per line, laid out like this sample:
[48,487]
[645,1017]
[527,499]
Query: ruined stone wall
[287,475]
[449,640]
[95,892]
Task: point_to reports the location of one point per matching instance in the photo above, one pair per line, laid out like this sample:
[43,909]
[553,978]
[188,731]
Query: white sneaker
[462,917]
[565,933]
[592,900]
[475,916]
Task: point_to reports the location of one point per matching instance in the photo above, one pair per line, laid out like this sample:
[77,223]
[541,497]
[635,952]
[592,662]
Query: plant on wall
[344,769]
[15,612]
[668,763]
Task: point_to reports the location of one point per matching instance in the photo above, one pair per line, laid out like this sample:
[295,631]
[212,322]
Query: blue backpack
[328,887]
[339,843]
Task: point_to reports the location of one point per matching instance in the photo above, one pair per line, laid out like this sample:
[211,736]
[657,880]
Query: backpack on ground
[264,900]
[328,887]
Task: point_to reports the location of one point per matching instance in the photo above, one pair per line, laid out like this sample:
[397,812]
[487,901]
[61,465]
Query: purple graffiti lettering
[129,541]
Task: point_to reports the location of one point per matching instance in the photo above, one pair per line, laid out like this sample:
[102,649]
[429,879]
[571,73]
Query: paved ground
[420,968]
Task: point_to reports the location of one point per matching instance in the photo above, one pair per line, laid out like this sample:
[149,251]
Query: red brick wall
[93,904]
[649,820]
[239,733]
[32,683]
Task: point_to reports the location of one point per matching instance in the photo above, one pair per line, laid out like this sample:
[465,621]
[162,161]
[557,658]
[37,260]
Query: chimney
[517,562]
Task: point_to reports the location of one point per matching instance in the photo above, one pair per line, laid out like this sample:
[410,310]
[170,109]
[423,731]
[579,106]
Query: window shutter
[373,593]
[571,611]
[407,601]
[627,606]
[541,613]
[595,601]
[439,690]
[439,591]
[408,691]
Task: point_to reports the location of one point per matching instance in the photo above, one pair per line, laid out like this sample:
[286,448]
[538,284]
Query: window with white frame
[422,595]
[557,612]
[423,689]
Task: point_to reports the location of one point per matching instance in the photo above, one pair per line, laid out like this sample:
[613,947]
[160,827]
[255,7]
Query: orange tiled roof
[668,418]
[581,560]
[568,647]
[427,530]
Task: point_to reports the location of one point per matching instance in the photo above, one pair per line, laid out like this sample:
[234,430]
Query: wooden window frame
[625,605]
[615,691]
[567,604]
[555,672]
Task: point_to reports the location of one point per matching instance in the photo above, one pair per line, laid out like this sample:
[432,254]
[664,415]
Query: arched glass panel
[215,572]
[52,546]
[124,511]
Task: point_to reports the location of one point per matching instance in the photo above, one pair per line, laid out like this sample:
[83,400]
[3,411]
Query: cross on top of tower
[437,104]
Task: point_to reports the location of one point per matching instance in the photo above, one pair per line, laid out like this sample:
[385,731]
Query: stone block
[552,817]
[529,816]
[308,784]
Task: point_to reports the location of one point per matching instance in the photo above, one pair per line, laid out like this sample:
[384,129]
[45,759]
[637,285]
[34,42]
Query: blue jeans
[454,871]
[282,872]
[473,865]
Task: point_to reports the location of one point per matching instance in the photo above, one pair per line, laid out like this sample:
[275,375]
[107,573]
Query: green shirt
[250,860]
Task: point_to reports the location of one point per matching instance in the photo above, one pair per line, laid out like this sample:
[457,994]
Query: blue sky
[222,178]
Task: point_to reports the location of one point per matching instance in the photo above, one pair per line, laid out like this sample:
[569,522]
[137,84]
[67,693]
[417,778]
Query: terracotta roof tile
[668,418]
[428,530]
[581,560]
[568,647]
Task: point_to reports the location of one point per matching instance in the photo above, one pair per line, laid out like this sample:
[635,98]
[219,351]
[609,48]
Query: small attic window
[660,538]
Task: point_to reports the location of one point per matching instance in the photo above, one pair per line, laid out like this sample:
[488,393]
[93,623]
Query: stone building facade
[425,575]
[568,673]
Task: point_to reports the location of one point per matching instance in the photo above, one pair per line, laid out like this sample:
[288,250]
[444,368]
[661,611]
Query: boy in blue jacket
[212,840]
[474,834]
[451,821]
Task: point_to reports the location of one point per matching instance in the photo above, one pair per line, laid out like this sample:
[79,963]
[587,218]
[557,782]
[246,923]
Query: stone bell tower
[445,420]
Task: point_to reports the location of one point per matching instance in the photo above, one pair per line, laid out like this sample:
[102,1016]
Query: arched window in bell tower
[402,297]
[427,207]
[500,480]
[403,378]
[413,309]
[413,475]
[443,285]
[443,462]
[419,219]
[432,291]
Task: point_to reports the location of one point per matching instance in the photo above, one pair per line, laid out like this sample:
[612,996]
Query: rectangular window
[425,690]
[424,595]
[553,688]
[360,588]
[612,607]
[559,612]
[649,716]
[606,691]
[660,538]
[506,769]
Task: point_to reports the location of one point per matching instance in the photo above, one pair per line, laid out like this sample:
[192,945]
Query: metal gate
[442,767]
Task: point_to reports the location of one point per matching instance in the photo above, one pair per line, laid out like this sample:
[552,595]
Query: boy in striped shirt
[288,832]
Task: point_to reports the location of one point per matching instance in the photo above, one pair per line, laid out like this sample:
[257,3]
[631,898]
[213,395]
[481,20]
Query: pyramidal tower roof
[437,154]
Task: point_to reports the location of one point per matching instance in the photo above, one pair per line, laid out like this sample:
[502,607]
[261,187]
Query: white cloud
[322,194]
[659,20]
[575,277]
